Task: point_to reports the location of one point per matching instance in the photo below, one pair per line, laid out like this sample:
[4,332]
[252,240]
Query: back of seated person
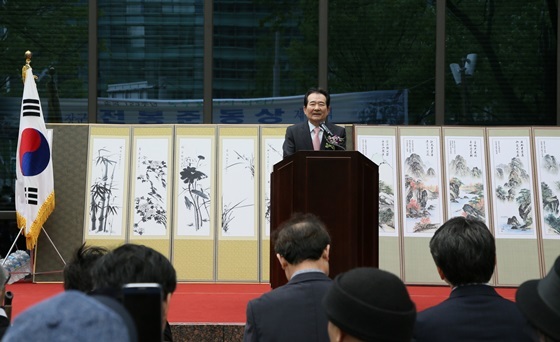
[302,246]
[464,252]
[77,272]
[132,263]
[73,316]
[368,304]
[539,301]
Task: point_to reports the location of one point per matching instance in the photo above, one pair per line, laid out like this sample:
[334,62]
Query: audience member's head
[464,251]
[73,316]
[539,301]
[132,263]
[302,241]
[77,272]
[368,304]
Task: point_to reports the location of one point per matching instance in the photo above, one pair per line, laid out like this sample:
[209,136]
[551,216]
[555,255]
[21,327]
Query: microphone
[330,135]
[326,129]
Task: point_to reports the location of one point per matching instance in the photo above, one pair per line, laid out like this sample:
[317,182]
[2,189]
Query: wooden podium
[342,189]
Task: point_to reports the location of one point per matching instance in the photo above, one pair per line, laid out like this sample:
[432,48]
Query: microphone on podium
[326,129]
[330,135]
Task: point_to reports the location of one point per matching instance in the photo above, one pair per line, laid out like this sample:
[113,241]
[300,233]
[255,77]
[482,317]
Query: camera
[144,303]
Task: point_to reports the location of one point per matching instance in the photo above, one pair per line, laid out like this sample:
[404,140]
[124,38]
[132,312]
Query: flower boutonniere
[334,142]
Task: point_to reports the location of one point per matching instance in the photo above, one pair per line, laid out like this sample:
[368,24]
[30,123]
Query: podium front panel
[341,188]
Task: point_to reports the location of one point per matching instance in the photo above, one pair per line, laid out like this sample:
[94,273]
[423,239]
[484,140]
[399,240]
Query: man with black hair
[293,312]
[131,263]
[464,252]
[77,272]
[314,133]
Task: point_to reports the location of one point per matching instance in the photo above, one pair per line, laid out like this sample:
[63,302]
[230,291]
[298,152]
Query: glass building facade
[469,63]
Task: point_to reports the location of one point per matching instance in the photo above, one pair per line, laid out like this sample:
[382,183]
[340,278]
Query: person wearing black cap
[539,301]
[368,304]
[464,252]
[293,312]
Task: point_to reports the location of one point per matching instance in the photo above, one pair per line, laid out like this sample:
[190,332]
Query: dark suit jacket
[4,324]
[472,313]
[298,138]
[291,312]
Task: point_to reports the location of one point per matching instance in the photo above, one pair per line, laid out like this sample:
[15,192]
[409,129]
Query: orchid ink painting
[238,187]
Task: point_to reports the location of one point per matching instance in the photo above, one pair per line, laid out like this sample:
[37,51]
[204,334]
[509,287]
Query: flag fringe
[46,209]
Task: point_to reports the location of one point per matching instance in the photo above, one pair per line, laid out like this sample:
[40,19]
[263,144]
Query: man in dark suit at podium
[293,312]
[314,133]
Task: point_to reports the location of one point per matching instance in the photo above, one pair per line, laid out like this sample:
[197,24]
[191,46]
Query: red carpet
[217,303]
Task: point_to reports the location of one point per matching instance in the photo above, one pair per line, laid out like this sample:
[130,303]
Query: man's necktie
[316,141]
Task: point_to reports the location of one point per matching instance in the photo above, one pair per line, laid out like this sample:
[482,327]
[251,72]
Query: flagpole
[52,243]
[35,197]
[11,248]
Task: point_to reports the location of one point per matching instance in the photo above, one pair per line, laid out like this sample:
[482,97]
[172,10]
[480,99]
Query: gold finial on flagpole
[27,65]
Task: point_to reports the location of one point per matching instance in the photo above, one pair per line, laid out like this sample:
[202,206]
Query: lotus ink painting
[193,191]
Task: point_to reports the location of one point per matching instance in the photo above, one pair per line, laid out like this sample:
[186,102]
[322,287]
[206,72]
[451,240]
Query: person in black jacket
[132,263]
[293,312]
[464,252]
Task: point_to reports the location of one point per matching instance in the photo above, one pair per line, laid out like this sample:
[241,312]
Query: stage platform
[214,311]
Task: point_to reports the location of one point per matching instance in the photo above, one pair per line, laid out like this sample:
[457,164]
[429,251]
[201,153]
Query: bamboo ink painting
[106,198]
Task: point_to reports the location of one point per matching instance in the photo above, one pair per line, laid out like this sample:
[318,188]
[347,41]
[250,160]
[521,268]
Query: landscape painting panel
[548,157]
[382,151]
[466,177]
[421,181]
[512,193]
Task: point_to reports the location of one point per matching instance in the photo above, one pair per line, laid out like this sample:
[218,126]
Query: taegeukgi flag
[34,183]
